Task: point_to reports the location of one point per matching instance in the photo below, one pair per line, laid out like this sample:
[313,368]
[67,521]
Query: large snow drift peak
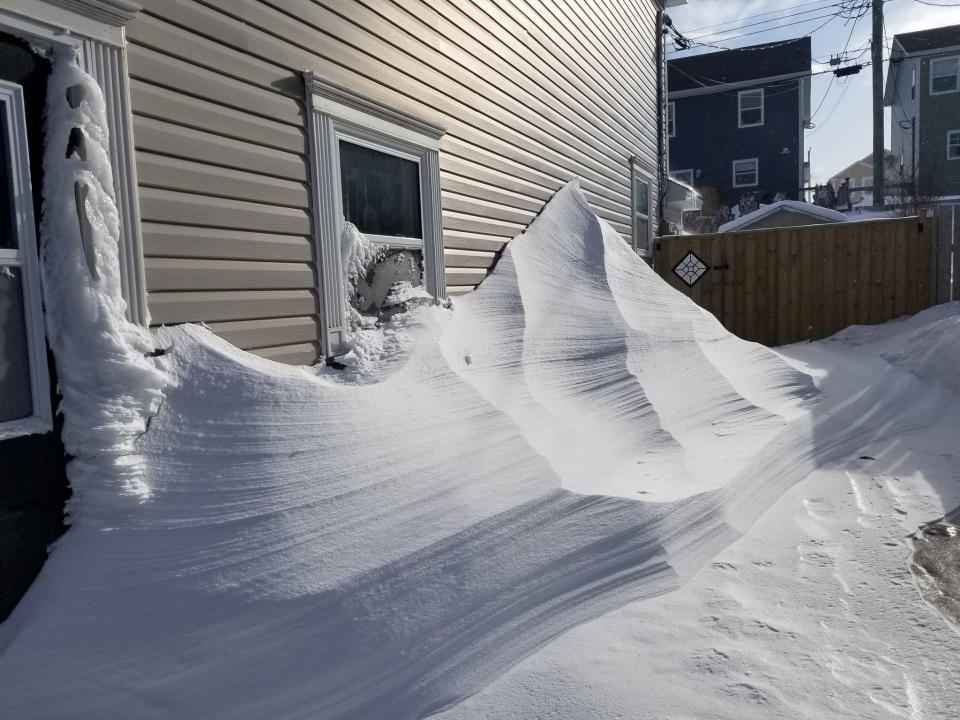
[622,383]
[110,387]
[357,549]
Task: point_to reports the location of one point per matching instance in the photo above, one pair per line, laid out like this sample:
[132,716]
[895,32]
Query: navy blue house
[736,118]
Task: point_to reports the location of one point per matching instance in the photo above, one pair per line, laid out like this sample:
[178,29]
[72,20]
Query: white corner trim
[335,112]
[26,257]
[107,64]
[59,20]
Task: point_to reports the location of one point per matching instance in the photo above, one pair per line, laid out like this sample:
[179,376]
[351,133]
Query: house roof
[821,213]
[868,161]
[932,39]
[920,42]
[755,62]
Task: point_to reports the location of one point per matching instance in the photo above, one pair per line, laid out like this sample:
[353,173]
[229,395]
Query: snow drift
[573,436]
[110,384]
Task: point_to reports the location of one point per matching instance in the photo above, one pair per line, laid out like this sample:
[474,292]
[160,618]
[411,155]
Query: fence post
[943,240]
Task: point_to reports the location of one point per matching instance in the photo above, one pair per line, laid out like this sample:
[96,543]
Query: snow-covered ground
[572,495]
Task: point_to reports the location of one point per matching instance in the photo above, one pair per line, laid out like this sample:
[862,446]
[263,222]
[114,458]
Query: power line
[767,22]
[845,46]
[825,3]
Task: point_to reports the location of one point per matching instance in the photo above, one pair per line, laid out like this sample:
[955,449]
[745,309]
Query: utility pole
[879,166]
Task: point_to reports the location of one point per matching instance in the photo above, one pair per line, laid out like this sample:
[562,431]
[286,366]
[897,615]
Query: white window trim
[638,173]
[957,144]
[756,172]
[676,175]
[374,142]
[25,257]
[671,119]
[934,61]
[740,123]
[336,113]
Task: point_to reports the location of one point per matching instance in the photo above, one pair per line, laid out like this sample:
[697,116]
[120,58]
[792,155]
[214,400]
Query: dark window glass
[944,75]
[15,397]
[381,192]
[8,237]
[641,194]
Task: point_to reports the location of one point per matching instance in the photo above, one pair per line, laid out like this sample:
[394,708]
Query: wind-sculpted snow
[573,436]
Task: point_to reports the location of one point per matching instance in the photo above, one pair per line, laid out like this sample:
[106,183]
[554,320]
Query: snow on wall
[110,386]
[573,436]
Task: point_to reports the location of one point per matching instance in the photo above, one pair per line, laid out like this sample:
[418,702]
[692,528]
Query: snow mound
[932,352]
[573,436]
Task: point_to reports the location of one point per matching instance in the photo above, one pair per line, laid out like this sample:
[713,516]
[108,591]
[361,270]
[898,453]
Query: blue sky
[844,127]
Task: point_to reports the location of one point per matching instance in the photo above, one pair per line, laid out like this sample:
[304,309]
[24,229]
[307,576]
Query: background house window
[684,176]
[913,82]
[642,210]
[745,172]
[381,193]
[944,75]
[24,388]
[671,119]
[750,105]
[953,145]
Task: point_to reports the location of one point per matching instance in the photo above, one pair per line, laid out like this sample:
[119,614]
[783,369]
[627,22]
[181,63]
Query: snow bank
[110,385]
[932,351]
[573,436]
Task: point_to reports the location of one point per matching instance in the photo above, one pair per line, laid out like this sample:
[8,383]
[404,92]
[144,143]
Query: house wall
[938,114]
[708,140]
[904,111]
[856,173]
[532,93]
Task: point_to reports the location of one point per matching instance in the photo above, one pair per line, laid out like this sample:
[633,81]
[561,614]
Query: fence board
[783,285]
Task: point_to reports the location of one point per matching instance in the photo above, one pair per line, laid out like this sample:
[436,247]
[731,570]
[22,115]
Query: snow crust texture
[573,436]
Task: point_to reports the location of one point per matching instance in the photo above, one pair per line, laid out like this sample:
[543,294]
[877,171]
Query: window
[24,384]
[642,210]
[746,172]
[913,82]
[684,176]
[379,169]
[953,145]
[944,75]
[750,106]
[671,119]
[380,194]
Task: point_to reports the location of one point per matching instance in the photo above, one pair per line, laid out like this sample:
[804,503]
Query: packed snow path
[573,436]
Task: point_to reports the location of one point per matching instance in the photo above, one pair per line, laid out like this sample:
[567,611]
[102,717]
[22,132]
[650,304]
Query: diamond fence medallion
[690,268]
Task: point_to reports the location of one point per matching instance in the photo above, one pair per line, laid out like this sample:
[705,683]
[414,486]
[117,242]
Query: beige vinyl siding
[532,93]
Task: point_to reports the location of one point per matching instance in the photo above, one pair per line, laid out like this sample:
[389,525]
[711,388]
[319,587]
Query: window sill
[33,425]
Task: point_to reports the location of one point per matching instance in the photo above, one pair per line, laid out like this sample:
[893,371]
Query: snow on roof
[816,211]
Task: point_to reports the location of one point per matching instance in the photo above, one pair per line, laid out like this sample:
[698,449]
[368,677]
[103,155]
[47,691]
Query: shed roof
[745,221]
[755,62]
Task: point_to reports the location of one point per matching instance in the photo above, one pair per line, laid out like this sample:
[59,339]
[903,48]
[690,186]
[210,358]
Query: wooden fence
[783,285]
